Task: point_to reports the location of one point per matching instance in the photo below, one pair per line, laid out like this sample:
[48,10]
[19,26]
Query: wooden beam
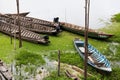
[58,62]
[20,40]
[87,4]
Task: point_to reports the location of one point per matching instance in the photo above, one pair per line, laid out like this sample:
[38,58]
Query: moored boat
[13,30]
[21,14]
[32,24]
[80,30]
[95,58]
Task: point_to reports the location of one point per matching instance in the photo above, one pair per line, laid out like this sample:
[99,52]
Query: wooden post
[58,62]
[10,36]
[87,4]
[20,41]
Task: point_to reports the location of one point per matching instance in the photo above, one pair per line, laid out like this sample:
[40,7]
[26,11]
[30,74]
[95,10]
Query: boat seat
[95,61]
[91,59]
[82,49]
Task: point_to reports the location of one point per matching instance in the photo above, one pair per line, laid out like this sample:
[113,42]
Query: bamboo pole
[20,41]
[87,4]
[58,62]
[10,35]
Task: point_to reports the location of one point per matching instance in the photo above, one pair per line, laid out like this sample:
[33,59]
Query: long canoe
[95,58]
[80,30]
[13,30]
[32,24]
[37,25]
[21,14]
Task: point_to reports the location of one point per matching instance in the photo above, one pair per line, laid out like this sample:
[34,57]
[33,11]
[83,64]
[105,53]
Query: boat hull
[95,58]
[32,24]
[13,30]
[80,30]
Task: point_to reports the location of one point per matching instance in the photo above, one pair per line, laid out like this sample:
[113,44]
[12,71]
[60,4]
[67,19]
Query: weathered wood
[71,75]
[25,34]
[4,71]
[80,70]
[59,63]
[18,22]
[33,24]
[21,14]
[80,30]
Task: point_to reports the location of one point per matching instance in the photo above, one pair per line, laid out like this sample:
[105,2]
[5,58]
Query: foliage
[114,29]
[25,57]
[116,18]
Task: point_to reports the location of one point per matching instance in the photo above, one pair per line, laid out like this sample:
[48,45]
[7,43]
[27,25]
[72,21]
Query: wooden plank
[4,71]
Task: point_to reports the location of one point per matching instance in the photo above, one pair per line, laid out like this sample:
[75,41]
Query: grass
[116,18]
[114,29]
[54,76]
[26,57]
[30,52]
[6,49]
[63,42]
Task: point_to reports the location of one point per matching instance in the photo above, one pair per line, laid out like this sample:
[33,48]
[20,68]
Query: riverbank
[64,43]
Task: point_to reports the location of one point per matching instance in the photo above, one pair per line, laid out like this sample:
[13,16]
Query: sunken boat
[36,25]
[95,58]
[80,30]
[13,30]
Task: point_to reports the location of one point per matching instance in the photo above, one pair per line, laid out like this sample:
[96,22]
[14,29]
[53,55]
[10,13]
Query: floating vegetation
[26,57]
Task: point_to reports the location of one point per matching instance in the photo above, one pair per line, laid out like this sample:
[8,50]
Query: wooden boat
[80,30]
[72,71]
[4,72]
[36,25]
[13,30]
[21,14]
[95,58]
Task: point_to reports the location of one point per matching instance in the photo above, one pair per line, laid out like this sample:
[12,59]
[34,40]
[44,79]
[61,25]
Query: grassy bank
[114,29]
[63,42]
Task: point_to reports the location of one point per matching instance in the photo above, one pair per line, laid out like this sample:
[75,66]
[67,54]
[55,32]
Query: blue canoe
[95,58]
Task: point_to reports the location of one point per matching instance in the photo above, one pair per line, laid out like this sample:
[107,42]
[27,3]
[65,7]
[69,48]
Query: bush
[116,18]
